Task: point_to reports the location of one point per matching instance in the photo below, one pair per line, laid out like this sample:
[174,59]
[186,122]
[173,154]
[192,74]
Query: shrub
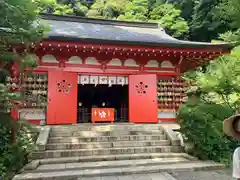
[13,156]
[202,125]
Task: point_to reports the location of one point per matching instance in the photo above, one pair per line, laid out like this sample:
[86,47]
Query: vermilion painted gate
[143,99]
[62,97]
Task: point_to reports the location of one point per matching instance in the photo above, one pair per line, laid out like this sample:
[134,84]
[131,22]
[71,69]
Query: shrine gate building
[92,70]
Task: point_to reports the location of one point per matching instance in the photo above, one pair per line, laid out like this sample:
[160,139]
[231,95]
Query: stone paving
[203,175]
[178,175]
[154,176]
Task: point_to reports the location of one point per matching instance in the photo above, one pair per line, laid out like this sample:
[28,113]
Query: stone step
[106,138]
[96,158]
[109,164]
[104,133]
[106,151]
[106,127]
[92,145]
[76,174]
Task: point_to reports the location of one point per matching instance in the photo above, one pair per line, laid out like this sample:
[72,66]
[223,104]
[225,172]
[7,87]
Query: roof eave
[223,46]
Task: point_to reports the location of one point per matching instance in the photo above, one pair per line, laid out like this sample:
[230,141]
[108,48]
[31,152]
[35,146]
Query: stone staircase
[74,152]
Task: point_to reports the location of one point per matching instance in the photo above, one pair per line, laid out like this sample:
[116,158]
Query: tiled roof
[119,32]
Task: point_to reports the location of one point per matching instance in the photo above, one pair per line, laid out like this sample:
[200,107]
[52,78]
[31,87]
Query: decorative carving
[74,60]
[130,63]
[141,88]
[92,61]
[115,62]
[48,58]
[152,63]
[167,64]
[63,86]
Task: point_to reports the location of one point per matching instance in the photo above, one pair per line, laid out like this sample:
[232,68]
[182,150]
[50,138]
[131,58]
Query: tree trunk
[13,133]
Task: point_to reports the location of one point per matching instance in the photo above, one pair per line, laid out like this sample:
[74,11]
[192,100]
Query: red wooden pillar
[178,68]
[15,73]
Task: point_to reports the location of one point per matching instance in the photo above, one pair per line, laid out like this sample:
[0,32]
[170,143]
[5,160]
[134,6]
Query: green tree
[205,24]
[217,91]
[169,17]
[17,19]
[201,124]
[230,10]
[62,9]
[52,6]
[186,7]
[80,9]
[110,9]
[154,3]
[221,82]
[19,27]
[136,10]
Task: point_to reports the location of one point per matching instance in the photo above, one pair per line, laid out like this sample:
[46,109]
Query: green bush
[13,156]
[201,124]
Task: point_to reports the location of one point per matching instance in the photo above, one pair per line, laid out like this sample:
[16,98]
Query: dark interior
[90,96]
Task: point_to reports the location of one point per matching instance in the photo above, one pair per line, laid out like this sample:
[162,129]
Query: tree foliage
[202,126]
[52,6]
[197,20]
[142,10]
[136,10]
[80,9]
[217,87]
[107,9]
[169,17]
[20,27]
[219,83]
[230,10]
[204,24]
[17,19]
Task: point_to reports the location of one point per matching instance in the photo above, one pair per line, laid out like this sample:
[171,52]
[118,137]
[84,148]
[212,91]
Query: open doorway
[102,96]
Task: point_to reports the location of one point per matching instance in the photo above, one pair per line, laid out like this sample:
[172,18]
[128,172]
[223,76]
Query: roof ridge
[72,18]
